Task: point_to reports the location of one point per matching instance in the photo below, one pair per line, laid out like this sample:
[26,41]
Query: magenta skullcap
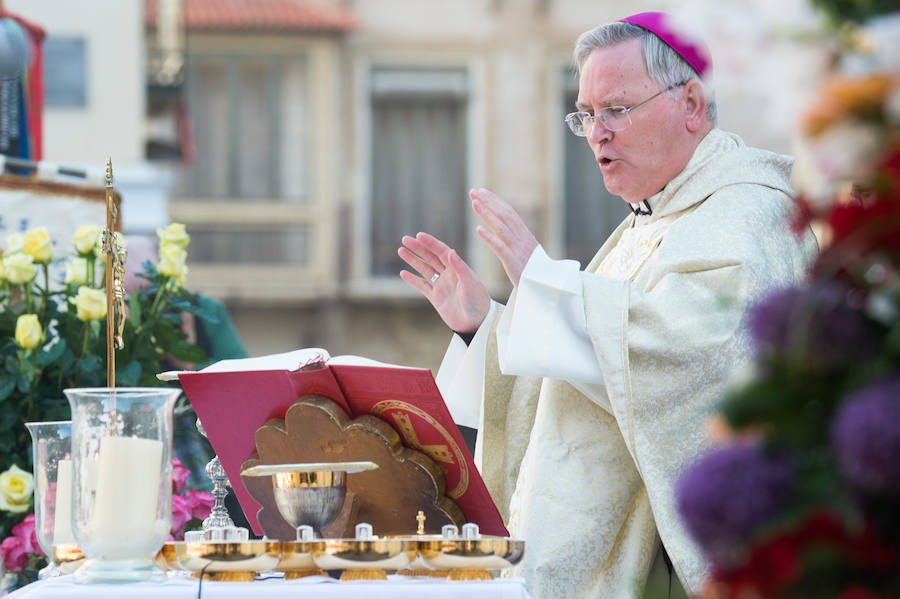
[691,49]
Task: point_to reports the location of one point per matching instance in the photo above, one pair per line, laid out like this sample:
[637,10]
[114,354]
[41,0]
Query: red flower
[867,224]
[181,515]
[180,475]
[28,533]
[14,554]
[200,503]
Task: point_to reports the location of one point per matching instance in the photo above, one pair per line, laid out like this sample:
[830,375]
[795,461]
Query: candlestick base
[103,571]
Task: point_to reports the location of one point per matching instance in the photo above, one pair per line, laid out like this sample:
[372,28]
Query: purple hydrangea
[821,322]
[866,437]
[728,493]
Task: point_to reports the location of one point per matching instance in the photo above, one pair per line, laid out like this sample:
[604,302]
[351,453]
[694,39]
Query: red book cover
[232,405]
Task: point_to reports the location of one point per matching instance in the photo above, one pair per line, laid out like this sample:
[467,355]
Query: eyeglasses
[614,118]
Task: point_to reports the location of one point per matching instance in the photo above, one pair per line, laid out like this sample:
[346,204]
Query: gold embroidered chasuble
[587,470]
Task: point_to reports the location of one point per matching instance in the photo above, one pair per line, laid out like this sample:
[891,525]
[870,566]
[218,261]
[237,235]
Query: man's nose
[598,132]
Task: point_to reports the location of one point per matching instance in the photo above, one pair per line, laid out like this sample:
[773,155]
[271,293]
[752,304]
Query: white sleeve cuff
[543,331]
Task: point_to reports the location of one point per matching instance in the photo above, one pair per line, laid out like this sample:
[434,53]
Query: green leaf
[134,309]
[89,364]
[129,375]
[187,352]
[52,354]
[7,384]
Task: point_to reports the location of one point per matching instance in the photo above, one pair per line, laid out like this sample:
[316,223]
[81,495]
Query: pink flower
[14,554]
[201,503]
[26,531]
[179,475]
[181,514]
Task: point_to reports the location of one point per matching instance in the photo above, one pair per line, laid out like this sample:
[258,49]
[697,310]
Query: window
[418,159]
[65,74]
[248,184]
[246,113]
[591,212]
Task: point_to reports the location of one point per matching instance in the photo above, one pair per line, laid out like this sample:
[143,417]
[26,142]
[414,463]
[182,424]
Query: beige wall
[111,124]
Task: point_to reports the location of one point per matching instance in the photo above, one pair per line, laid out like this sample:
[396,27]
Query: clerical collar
[642,208]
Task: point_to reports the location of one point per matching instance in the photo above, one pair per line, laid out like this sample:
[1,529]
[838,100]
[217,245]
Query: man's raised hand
[504,231]
[446,281]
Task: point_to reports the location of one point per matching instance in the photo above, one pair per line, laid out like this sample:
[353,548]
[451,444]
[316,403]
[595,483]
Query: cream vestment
[618,367]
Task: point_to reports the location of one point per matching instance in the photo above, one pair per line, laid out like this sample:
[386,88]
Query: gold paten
[365,560]
[297,559]
[228,561]
[470,559]
[68,557]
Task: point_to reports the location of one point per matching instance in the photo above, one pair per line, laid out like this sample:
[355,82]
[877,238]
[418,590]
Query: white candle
[124,519]
[62,514]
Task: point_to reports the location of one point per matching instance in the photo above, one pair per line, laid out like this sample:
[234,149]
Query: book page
[292,360]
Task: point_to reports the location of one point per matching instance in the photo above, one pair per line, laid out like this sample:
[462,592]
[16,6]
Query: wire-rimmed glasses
[614,118]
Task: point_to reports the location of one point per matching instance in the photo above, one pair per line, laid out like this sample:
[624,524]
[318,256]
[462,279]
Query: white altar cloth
[185,587]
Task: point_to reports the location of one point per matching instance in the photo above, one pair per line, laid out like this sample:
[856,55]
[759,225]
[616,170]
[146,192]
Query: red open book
[232,402]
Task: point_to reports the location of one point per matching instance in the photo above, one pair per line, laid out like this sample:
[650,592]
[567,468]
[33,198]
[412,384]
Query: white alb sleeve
[543,330]
[460,377]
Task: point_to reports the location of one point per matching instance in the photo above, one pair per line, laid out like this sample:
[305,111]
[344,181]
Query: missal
[233,398]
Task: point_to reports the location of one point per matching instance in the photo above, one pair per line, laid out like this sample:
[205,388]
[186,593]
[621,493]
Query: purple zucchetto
[692,50]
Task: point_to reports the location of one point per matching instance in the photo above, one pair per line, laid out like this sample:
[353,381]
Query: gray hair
[664,64]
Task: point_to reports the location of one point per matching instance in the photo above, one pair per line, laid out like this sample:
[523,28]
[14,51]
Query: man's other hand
[504,231]
[446,281]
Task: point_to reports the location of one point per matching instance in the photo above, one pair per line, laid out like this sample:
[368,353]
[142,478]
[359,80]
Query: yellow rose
[77,271]
[172,262]
[15,242]
[19,268]
[90,304]
[28,331]
[85,238]
[39,244]
[174,234]
[16,487]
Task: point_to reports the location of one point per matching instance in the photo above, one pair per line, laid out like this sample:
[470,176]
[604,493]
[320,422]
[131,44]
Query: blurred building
[300,139]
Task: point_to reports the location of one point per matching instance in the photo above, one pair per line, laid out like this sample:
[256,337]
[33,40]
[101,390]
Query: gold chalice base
[297,560]
[227,561]
[67,557]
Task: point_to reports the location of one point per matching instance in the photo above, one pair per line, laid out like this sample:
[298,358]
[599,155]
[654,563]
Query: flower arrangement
[799,496]
[53,337]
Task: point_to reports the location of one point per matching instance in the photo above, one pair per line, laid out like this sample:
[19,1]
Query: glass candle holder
[122,450]
[51,444]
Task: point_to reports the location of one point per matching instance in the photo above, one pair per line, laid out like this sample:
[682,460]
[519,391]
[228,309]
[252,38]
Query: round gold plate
[486,553]
[228,560]
[350,554]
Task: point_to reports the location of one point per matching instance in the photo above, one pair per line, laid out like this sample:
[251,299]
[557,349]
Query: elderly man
[618,365]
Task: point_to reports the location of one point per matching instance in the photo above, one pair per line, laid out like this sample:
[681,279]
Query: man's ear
[694,101]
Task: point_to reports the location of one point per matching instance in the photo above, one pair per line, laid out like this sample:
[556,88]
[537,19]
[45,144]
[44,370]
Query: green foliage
[73,353]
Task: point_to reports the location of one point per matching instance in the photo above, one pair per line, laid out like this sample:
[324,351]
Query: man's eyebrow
[616,100]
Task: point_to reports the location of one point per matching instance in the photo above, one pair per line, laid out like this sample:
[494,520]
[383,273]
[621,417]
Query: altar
[314,587]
